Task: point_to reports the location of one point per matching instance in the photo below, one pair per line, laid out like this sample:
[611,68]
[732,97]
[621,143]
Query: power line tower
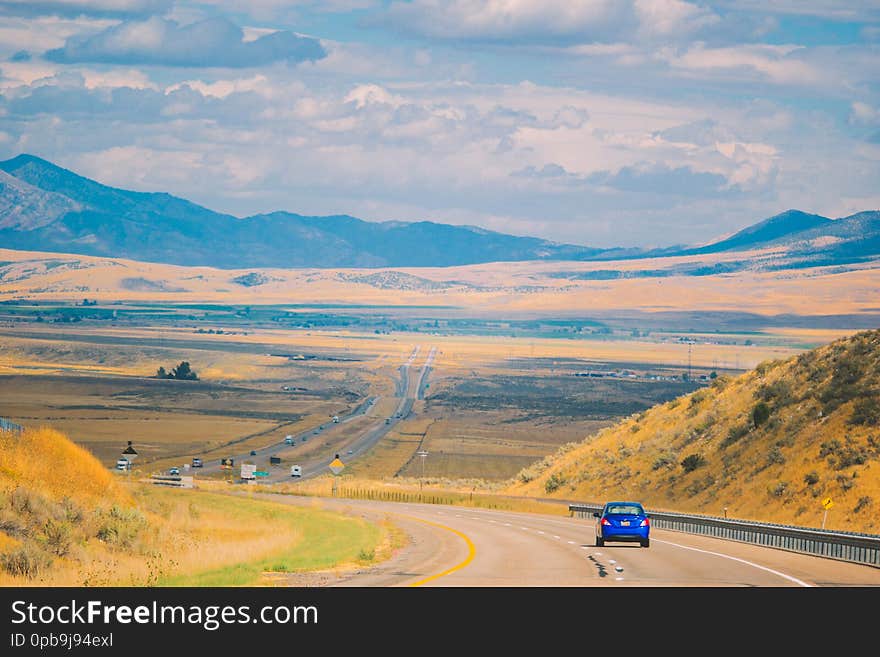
[690,374]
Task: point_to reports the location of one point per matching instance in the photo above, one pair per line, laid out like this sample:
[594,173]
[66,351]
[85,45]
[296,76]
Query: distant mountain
[764,233]
[47,208]
[44,207]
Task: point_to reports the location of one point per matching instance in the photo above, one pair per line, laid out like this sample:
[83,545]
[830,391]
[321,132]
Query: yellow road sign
[827,503]
[336,465]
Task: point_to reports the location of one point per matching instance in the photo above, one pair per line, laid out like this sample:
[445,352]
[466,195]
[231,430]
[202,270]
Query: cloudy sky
[598,122]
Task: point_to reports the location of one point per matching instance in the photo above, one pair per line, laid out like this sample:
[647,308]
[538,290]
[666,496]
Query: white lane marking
[507,524]
[556,537]
[618,579]
[571,542]
[587,547]
[598,554]
[611,560]
[525,528]
[492,521]
[540,532]
[748,563]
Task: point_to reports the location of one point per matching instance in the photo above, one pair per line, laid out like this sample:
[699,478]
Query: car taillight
[606,522]
[645,523]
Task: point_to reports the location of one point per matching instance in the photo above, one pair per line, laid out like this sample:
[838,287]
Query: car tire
[646,542]
[600,542]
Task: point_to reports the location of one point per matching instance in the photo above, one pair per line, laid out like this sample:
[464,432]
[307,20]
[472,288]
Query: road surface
[408,388]
[458,546]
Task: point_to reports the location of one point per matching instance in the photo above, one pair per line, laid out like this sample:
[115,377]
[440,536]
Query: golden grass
[117,532]
[45,460]
[761,474]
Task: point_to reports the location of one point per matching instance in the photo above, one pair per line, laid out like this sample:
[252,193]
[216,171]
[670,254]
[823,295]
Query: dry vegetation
[66,520]
[768,445]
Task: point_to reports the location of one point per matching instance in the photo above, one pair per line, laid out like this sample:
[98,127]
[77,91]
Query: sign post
[423,454]
[129,454]
[336,466]
[827,503]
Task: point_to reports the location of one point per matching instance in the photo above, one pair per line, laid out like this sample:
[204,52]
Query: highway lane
[459,546]
[408,388]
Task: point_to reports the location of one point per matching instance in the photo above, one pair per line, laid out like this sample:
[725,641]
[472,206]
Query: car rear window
[625,509]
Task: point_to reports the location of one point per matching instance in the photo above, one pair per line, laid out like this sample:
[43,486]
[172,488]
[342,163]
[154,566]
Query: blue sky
[599,122]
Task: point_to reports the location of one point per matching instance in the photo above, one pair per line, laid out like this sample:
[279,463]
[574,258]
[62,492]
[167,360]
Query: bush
[760,414]
[734,434]
[554,482]
[779,393]
[775,456]
[120,527]
[59,536]
[811,478]
[692,461]
[25,561]
[663,461]
[779,489]
[862,503]
[866,411]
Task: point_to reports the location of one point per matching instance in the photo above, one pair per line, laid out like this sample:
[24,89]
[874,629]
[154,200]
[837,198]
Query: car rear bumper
[625,534]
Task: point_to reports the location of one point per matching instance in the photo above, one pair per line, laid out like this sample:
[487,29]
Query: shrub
[866,411]
[734,434]
[554,482]
[775,456]
[59,536]
[811,478]
[862,503]
[120,527]
[692,461]
[760,414]
[779,489]
[779,393]
[25,561]
[845,482]
[666,460]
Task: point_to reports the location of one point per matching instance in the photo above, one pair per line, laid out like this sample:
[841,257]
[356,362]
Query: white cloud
[775,63]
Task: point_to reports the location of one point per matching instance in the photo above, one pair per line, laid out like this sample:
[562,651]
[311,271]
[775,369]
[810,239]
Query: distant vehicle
[296,471]
[335,419]
[288,440]
[316,432]
[122,464]
[623,521]
[387,420]
[197,462]
[174,470]
[253,452]
[351,451]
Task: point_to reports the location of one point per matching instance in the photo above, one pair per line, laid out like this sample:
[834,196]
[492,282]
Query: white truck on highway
[296,471]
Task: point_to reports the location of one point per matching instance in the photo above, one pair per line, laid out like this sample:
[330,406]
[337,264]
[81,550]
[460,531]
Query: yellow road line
[472,551]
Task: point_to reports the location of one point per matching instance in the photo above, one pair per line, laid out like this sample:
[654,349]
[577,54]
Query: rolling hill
[44,207]
[768,445]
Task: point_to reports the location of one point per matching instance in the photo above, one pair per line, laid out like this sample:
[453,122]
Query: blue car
[623,521]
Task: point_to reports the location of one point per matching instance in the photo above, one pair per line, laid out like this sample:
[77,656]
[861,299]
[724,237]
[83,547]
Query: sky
[595,122]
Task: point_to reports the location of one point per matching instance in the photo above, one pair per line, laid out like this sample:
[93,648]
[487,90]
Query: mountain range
[44,207]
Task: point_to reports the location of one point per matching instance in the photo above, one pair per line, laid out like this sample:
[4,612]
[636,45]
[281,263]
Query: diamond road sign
[336,465]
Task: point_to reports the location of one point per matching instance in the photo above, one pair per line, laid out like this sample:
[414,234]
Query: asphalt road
[408,388]
[455,546]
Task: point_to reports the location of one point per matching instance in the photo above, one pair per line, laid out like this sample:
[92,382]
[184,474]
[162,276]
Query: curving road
[458,546]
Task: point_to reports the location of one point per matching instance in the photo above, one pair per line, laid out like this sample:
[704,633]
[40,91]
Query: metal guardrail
[176,481]
[844,546]
[6,425]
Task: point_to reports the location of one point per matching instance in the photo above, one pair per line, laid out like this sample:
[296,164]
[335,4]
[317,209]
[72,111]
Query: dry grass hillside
[769,445]
[66,520]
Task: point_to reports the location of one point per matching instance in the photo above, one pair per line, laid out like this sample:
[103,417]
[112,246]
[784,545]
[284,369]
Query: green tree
[760,414]
[161,373]
[184,372]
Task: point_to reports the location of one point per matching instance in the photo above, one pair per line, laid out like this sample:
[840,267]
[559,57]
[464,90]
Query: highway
[458,546]
[408,388]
